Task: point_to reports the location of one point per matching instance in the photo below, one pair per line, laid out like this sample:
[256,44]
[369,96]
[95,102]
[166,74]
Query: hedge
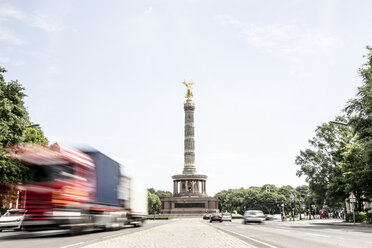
[360,217]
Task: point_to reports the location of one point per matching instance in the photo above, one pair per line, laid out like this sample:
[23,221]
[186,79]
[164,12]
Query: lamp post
[309,213]
[33,126]
[339,123]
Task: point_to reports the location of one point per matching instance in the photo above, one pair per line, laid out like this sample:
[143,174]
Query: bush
[360,217]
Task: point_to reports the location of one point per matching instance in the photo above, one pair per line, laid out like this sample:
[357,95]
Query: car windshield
[14,213]
[47,173]
[254,213]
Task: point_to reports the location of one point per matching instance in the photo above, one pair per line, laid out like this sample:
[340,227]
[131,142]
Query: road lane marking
[319,235]
[255,240]
[252,246]
[72,245]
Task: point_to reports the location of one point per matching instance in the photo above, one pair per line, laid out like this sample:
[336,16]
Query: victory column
[189,188]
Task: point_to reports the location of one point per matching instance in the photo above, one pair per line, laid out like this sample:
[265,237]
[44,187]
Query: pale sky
[108,74]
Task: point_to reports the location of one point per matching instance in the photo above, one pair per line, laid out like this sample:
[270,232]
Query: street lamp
[339,123]
[309,213]
[33,126]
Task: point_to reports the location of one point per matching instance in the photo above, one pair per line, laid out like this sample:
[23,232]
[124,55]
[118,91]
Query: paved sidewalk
[179,233]
[331,221]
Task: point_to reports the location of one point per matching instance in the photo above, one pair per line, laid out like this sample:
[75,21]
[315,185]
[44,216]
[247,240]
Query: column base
[189,170]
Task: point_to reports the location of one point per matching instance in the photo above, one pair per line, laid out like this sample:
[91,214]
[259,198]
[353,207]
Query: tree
[154,203]
[359,111]
[357,173]
[163,194]
[256,198]
[34,135]
[14,120]
[154,199]
[321,163]
[13,115]
[340,160]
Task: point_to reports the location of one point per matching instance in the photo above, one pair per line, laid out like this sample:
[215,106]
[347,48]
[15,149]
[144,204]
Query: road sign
[292,199]
[303,205]
[267,189]
[352,197]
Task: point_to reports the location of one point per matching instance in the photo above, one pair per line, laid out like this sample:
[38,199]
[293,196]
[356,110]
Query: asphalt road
[197,232]
[60,239]
[304,234]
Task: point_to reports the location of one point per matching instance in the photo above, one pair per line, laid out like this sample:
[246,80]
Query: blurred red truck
[78,190]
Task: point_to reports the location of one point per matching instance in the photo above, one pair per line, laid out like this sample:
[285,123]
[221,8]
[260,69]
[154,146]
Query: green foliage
[14,120]
[34,135]
[154,199]
[320,163]
[151,190]
[359,111]
[257,198]
[160,193]
[360,217]
[340,160]
[13,114]
[163,194]
[154,203]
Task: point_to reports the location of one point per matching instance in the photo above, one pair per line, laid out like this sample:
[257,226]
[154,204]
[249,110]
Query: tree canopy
[154,199]
[14,122]
[339,160]
[259,198]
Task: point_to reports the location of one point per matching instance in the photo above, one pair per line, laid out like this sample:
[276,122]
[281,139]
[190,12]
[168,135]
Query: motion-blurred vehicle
[216,217]
[253,216]
[269,216]
[207,217]
[78,190]
[12,219]
[226,217]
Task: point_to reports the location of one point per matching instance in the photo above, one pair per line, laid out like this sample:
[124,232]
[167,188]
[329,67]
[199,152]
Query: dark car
[216,217]
[269,216]
[206,217]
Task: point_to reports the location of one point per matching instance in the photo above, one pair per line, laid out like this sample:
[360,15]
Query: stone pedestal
[189,205]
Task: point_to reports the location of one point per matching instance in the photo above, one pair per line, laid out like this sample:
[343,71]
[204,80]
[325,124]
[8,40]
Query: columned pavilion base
[189,205]
[189,196]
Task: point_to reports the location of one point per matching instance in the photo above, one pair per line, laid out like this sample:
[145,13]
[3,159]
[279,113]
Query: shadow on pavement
[319,226]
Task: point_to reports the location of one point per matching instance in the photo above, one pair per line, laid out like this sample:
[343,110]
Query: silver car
[226,217]
[253,216]
[12,219]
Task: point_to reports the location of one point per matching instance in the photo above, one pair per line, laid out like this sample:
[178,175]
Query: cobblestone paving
[178,233]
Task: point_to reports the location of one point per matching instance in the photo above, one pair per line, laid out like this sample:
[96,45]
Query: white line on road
[255,240]
[319,235]
[72,245]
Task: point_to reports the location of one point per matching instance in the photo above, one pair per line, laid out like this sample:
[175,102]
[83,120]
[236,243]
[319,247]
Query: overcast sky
[108,74]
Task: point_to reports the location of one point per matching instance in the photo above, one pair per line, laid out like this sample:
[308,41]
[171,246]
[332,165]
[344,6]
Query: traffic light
[267,189]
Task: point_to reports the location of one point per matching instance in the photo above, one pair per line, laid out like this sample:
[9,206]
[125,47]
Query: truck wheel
[76,230]
[138,224]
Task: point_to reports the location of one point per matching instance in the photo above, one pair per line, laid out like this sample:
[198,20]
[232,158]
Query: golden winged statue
[189,88]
